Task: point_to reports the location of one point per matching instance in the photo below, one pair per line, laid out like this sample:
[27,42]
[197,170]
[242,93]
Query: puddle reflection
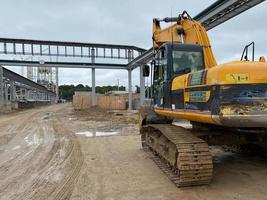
[33,140]
[97,133]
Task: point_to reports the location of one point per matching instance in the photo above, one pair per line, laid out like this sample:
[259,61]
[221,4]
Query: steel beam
[66,43]
[62,64]
[223,10]
[142,87]
[141,60]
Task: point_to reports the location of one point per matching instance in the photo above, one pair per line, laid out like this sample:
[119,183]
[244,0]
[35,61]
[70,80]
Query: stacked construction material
[111,101]
[82,100]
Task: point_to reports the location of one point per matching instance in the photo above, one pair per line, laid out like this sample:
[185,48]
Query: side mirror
[146,70]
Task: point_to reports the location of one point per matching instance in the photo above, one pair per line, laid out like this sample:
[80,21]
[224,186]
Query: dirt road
[55,153]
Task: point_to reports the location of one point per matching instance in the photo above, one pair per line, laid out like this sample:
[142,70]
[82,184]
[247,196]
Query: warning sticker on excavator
[237,78]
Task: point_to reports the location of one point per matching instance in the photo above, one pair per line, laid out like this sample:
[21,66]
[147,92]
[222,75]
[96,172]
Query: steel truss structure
[96,56]
[16,88]
[42,52]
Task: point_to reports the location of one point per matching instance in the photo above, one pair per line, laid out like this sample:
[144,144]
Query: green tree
[67,91]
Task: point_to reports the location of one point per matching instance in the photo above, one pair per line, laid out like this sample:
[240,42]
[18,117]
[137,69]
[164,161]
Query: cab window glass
[187,61]
[161,63]
[160,74]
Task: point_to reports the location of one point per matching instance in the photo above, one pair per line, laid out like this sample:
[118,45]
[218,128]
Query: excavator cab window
[187,61]
[160,75]
[160,68]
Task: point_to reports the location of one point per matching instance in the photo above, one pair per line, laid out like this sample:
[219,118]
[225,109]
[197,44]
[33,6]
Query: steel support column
[6,91]
[142,87]
[130,97]
[130,94]
[29,94]
[93,79]
[1,85]
[20,94]
[57,90]
[12,91]
[93,88]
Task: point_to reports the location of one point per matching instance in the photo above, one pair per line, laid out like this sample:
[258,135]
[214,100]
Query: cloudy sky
[126,22]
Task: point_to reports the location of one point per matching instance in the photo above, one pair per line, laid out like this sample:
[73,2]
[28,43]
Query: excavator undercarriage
[184,154]
[185,158]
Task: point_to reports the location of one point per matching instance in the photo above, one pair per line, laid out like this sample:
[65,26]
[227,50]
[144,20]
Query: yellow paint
[195,33]
[179,82]
[237,78]
[186,97]
[191,116]
[228,73]
[239,72]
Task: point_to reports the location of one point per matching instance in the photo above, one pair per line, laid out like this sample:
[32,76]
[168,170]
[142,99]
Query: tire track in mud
[75,157]
[23,169]
[9,130]
[7,163]
[51,169]
[69,166]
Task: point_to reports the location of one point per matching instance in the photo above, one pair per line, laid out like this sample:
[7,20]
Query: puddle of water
[33,140]
[47,116]
[97,133]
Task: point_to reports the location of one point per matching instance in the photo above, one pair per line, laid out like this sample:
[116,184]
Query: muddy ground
[55,152]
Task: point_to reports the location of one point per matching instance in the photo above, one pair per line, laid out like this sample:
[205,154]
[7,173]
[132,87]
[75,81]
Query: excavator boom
[184,31]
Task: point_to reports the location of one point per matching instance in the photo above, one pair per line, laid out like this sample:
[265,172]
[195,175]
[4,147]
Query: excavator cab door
[161,83]
[185,59]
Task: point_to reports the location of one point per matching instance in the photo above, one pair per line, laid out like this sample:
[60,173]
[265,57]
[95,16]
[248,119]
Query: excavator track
[183,157]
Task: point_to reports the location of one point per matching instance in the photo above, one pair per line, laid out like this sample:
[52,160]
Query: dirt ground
[55,152]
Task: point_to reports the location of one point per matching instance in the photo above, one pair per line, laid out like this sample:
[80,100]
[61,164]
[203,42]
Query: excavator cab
[172,60]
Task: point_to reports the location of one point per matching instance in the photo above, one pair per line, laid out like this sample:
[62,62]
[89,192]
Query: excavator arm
[185,31]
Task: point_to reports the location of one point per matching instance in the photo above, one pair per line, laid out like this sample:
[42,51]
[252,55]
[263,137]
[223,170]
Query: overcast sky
[126,22]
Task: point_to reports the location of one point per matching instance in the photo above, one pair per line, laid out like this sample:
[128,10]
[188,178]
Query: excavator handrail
[245,51]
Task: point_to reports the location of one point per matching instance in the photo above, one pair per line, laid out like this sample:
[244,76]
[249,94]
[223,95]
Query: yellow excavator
[226,104]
